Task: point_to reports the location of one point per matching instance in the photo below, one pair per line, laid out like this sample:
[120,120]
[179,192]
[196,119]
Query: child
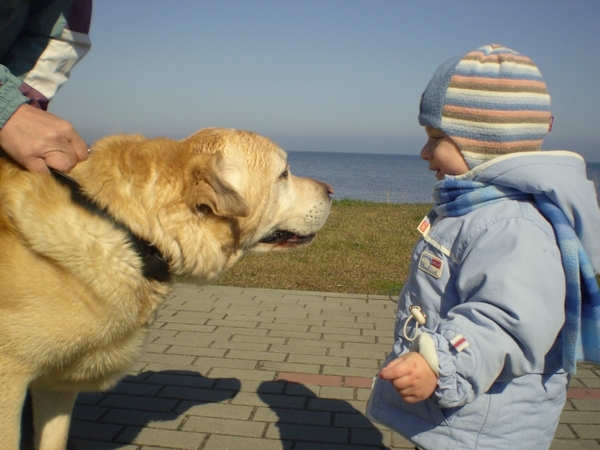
[501,299]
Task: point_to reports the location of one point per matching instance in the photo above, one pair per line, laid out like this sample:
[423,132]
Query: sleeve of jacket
[512,289]
[52,40]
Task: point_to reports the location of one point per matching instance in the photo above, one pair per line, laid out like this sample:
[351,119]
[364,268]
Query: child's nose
[426,152]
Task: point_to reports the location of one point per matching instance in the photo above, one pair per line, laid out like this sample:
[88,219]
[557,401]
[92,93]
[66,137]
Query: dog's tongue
[278,236]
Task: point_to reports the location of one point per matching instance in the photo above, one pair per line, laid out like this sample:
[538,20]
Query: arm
[50,42]
[510,315]
[511,288]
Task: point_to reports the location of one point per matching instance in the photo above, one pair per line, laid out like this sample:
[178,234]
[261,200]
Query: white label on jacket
[424,226]
[459,342]
[426,223]
[431,264]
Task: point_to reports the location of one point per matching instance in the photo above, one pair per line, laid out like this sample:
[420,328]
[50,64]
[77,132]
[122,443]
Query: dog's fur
[74,305]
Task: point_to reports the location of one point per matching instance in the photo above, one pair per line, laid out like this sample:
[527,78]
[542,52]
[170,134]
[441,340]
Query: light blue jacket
[492,285]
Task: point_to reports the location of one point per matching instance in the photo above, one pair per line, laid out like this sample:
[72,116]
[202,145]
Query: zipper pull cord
[419,317]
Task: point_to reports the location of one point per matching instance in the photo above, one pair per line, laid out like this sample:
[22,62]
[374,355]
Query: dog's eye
[284,174]
[203,208]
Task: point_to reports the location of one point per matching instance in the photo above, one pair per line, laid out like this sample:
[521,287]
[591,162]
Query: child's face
[443,155]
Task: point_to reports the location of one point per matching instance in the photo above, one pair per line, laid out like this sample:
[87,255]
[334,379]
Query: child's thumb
[389,371]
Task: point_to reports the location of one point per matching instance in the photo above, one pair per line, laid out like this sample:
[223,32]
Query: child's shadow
[303,417]
[138,401]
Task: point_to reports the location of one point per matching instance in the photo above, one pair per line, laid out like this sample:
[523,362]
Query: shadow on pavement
[137,401]
[304,417]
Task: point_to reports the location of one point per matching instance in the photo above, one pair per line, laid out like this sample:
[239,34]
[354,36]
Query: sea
[379,178]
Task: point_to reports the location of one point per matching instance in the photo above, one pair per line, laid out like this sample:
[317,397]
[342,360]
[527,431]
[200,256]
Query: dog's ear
[214,182]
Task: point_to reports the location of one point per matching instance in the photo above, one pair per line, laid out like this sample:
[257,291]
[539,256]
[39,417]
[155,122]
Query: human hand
[38,140]
[412,377]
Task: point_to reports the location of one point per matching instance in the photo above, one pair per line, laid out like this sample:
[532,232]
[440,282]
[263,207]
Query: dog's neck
[154,266]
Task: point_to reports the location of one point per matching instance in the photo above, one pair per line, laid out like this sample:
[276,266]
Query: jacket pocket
[471,416]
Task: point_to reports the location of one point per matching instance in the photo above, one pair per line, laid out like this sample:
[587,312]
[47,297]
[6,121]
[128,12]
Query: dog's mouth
[286,239]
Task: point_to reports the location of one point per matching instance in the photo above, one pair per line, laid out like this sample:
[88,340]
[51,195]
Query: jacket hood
[561,176]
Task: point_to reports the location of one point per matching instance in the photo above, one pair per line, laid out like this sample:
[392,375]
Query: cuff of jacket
[425,345]
[452,389]
[10,99]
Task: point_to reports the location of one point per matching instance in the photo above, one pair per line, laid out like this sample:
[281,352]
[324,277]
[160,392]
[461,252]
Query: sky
[319,75]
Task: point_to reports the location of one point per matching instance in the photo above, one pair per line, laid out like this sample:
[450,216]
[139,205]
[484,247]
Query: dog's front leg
[52,417]
[12,394]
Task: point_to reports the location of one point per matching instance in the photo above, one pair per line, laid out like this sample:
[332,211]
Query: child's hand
[411,376]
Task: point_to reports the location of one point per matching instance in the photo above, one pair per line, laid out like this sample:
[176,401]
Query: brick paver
[239,368]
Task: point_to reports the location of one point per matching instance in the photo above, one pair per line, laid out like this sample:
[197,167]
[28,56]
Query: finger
[393,370]
[80,148]
[36,165]
[413,394]
[412,398]
[405,388]
[403,385]
[63,161]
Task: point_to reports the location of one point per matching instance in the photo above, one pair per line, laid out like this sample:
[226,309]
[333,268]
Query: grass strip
[363,248]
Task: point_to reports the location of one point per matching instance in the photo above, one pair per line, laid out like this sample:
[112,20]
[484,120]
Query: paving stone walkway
[253,369]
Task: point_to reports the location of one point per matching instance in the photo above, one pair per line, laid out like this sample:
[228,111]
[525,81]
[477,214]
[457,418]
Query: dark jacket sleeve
[41,42]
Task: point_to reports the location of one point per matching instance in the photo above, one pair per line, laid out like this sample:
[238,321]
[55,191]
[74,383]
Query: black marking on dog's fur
[154,266]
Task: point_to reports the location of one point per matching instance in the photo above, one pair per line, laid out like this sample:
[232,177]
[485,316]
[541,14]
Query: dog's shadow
[305,419]
[156,399]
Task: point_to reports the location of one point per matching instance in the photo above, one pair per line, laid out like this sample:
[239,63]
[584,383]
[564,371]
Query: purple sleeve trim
[36,98]
[80,16]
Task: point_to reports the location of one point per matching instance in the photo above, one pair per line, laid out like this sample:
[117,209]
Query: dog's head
[210,198]
[242,175]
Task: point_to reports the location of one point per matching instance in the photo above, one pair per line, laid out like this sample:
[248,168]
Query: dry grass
[363,248]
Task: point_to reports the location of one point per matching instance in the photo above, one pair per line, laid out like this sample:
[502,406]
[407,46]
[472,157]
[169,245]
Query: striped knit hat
[491,101]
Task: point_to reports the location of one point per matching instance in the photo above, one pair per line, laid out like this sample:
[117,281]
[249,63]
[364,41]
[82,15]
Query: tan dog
[79,289]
